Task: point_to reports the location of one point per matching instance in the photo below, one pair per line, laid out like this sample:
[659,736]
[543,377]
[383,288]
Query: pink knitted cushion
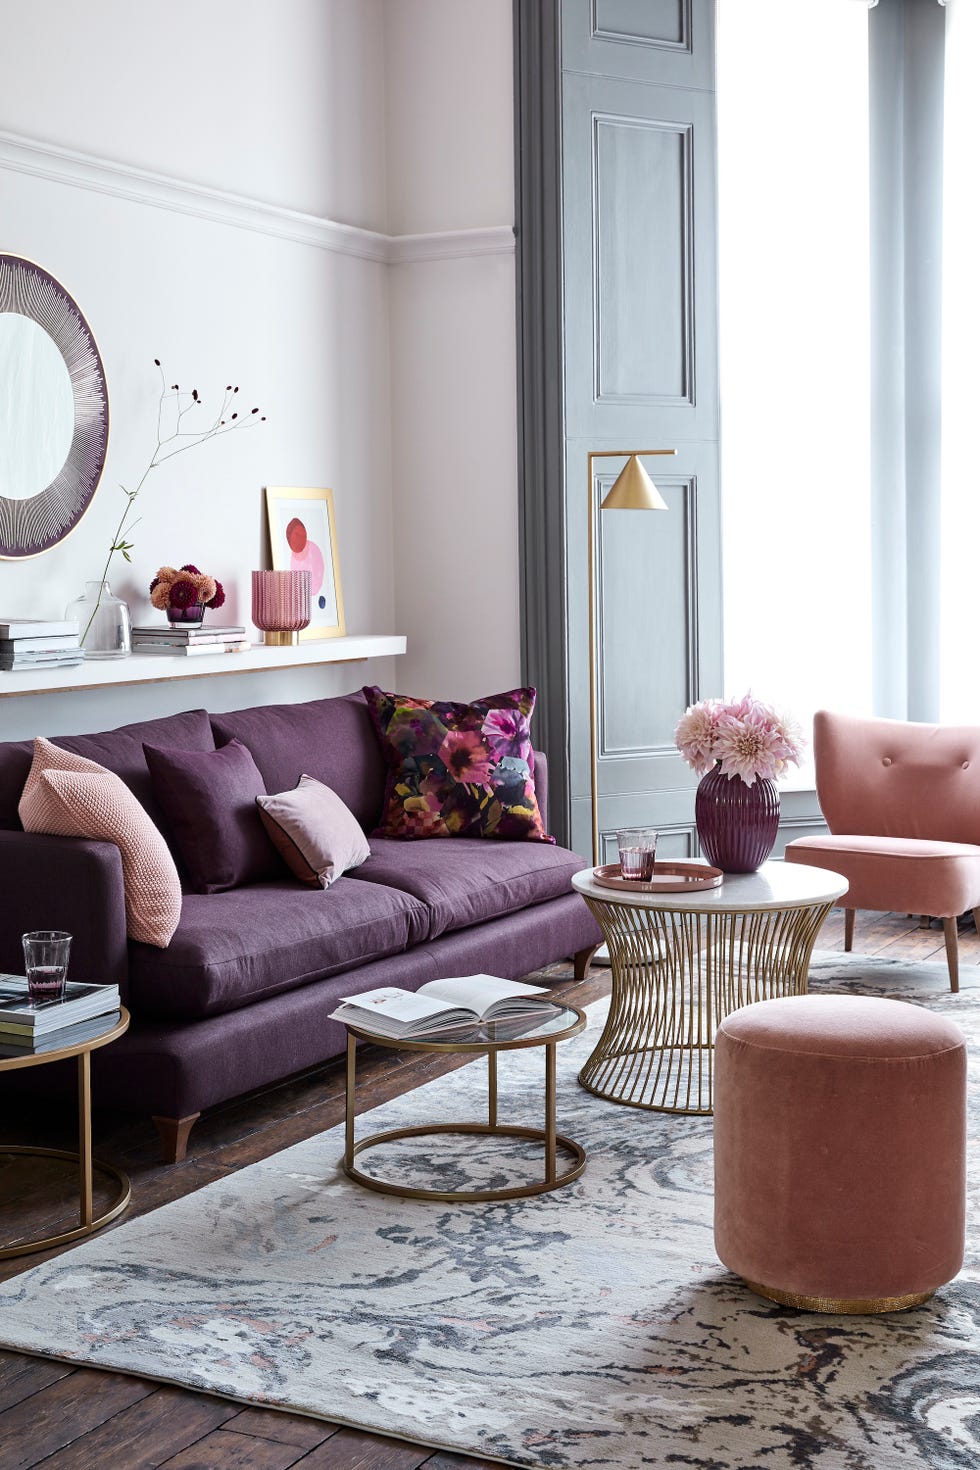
[70,796]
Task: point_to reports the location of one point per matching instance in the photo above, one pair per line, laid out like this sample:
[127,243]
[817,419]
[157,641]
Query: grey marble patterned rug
[592,1327]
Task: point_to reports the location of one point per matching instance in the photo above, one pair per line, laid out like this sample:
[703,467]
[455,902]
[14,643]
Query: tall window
[960,699]
[792,81]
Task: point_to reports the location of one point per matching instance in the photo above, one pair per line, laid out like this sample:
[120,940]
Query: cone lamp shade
[633,490]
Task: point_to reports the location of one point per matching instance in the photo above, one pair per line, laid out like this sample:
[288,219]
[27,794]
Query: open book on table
[441,1005]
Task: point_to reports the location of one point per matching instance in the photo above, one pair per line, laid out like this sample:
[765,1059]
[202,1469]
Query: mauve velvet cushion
[209,812]
[315,834]
[458,770]
[120,751]
[69,796]
[839,1136]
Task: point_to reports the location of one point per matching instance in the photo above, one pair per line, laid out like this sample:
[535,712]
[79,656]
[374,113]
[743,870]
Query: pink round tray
[667,878]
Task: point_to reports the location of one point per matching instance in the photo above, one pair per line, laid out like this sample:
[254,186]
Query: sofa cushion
[120,751]
[470,880]
[332,740]
[315,834]
[233,948]
[207,798]
[902,874]
[67,795]
[458,770]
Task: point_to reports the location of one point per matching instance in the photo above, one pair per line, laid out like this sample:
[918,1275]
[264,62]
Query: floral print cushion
[458,770]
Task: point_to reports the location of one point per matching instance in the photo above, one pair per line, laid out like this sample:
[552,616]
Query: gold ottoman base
[841,1305]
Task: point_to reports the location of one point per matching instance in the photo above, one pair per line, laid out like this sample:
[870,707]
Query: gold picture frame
[303,515]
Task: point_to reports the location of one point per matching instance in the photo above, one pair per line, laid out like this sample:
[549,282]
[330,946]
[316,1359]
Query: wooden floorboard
[72,1419]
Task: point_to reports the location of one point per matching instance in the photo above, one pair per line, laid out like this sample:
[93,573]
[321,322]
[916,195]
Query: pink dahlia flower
[697,732]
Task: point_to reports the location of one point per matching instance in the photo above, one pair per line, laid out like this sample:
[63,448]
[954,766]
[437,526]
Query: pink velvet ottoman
[840,1148]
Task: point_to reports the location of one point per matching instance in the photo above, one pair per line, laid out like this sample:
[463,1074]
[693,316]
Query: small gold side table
[489,1038]
[682,961]
[116,1023]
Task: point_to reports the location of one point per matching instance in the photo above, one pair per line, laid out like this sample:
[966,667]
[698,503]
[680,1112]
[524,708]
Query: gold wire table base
[851,1306]
[76,1232]
[551,1139]
[551,1181]
[676,974]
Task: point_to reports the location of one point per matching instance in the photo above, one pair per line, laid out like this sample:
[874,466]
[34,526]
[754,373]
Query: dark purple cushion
[207,800]
[119,750]
[469,880]
[330,739]
[231,949]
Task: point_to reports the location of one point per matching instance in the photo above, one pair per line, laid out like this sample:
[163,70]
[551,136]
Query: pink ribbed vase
[281,604]
[737,824]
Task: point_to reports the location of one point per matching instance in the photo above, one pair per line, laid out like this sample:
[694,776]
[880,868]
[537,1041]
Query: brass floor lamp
[632,490]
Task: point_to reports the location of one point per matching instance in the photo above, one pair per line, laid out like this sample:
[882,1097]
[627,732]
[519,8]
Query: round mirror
[54,411]
[37,410]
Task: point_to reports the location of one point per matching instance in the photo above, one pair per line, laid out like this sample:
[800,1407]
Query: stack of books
[30,643]
[45,1025]
[188,640]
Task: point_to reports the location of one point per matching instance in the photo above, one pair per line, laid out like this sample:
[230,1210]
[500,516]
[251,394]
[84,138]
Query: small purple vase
[737,824]
[190,615]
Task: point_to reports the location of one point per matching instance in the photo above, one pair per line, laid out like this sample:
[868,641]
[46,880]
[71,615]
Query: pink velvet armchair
[902,802]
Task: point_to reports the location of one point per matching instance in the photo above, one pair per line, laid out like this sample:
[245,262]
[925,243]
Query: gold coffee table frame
[89,1223]
[682,962]
[475,1045]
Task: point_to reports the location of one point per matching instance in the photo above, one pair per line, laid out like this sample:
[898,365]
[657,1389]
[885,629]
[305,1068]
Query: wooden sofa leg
[583,960]
[848,928]
[952,953]
[174,1133]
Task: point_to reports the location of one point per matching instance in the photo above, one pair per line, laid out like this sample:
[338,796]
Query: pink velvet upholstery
[902,802]
[840,1145]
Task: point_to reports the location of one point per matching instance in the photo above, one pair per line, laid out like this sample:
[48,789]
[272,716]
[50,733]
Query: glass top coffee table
[487,1038]
[682,961]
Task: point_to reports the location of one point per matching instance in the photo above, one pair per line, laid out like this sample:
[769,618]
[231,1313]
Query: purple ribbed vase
[737,824]
[281,604]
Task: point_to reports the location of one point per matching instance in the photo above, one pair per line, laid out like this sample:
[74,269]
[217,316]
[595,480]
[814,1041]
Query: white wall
[281,103]
[453,352]
[380,114]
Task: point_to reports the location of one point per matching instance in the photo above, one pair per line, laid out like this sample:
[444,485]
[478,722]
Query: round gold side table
[490,1038]
[682,961]
[116,1022]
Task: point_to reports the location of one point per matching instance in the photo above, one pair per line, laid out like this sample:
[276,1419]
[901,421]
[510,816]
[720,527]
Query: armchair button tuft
[886,760]
[966,765]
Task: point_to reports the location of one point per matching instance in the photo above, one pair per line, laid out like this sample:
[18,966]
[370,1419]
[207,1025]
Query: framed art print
[303,538]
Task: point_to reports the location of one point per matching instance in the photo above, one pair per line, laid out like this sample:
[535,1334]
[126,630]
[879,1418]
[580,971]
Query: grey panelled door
[640,361]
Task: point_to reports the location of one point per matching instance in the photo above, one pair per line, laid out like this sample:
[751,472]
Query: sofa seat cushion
[233,948]
[897,874]
[467,880]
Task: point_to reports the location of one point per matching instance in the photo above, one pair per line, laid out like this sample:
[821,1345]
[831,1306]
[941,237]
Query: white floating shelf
[154,668]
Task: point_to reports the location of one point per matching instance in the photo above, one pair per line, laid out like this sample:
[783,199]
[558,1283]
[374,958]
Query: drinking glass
[637,853]
[46,963]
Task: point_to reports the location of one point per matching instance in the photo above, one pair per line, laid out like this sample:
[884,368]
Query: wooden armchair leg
[174,1133]
[583,960]
[952,953]
[848,928]
[976,920]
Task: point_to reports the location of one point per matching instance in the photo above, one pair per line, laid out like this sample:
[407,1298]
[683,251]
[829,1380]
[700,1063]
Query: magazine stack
[190,639]
[31,643]
[46,1025]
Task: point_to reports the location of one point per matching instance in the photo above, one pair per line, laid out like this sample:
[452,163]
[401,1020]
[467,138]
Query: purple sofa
[242,995]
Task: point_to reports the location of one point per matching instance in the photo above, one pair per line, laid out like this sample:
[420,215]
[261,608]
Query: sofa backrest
[332,740]
[118,750]
[892,778]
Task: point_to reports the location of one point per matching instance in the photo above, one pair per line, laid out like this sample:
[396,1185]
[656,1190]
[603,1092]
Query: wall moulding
[49,161]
